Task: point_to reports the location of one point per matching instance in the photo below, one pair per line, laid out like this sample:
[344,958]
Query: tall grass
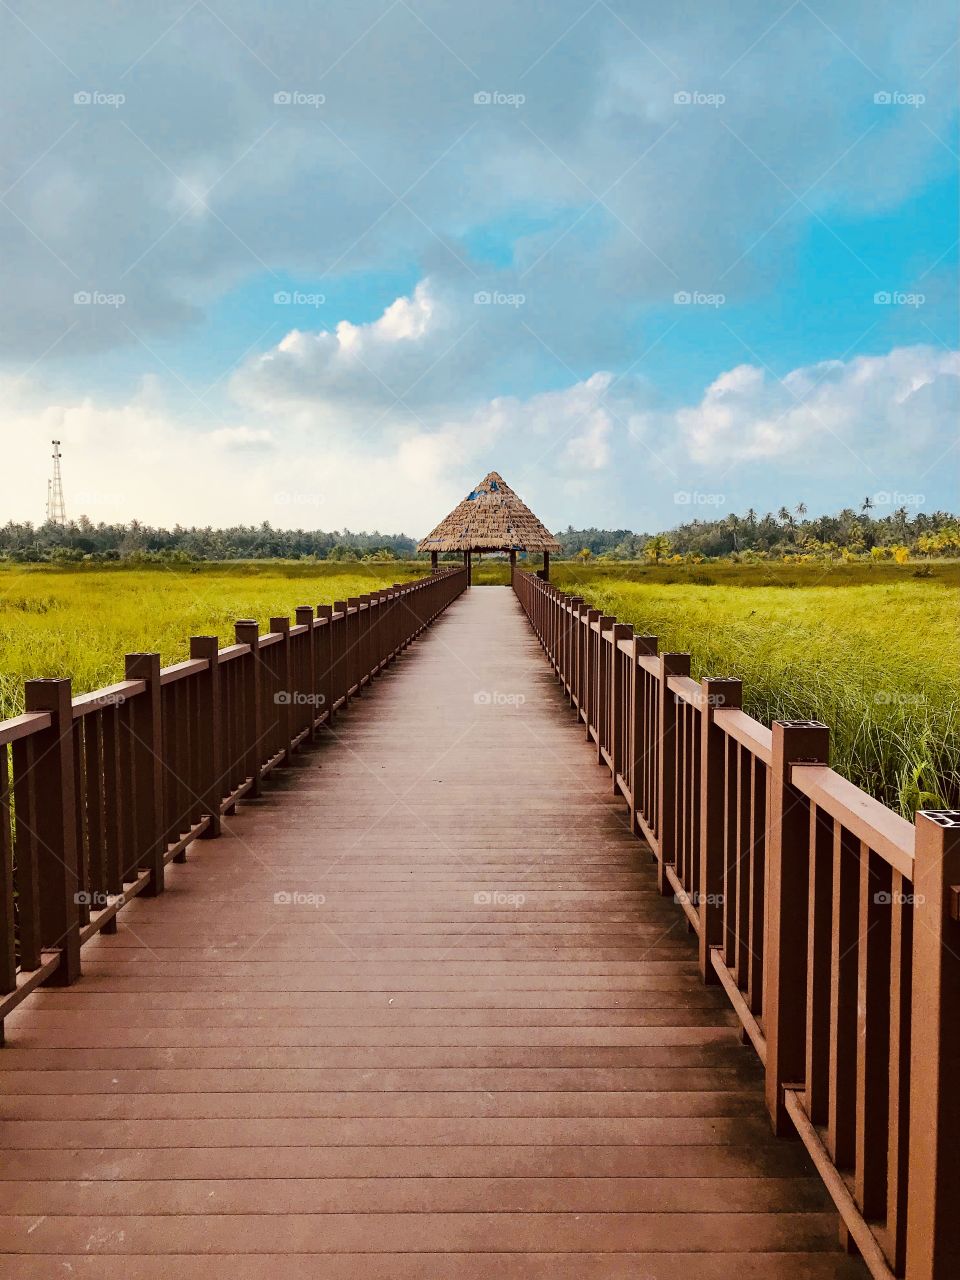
[81,622]
[875,657]
[879,664]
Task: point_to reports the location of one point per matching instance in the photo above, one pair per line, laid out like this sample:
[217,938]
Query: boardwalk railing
[98,793]
[830,921]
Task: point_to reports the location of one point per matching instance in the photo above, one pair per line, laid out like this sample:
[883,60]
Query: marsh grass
[877,662]
[869,650]
[81,622]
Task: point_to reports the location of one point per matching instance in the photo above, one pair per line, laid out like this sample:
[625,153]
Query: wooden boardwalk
[419,1013]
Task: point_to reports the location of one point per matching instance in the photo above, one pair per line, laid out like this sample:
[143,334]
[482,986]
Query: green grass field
[868,649]
[81,622]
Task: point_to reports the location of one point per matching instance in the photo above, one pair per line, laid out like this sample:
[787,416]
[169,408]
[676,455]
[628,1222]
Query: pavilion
[491,518]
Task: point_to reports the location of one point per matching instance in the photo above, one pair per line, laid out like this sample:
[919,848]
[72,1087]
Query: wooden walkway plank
[420,1012]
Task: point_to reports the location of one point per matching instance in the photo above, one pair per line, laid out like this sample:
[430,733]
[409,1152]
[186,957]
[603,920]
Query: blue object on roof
[471,497]
[494,487]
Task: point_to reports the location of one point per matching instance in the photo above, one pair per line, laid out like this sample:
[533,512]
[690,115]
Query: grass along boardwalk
[422,1011]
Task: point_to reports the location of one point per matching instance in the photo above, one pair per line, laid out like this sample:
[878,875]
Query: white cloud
[877,407]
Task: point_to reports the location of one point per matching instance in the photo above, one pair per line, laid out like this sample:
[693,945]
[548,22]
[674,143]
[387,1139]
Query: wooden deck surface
[406,1079]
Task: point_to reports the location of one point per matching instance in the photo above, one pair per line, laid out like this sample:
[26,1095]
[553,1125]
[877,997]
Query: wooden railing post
[933,1186]
[247,631]
[643,647]
[589,705]
[619,693]
[55,829]
[209,730]
[145,747]
[785,934]
[284,693]
[303,616]
[716,693]
[671,664]
[604,682]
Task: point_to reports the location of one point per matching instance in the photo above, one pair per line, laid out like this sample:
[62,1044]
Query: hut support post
[546,566]
[513,565]
[434,558]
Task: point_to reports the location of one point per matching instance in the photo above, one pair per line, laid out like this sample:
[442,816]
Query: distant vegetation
[750,538]
[851,535]
[82,540]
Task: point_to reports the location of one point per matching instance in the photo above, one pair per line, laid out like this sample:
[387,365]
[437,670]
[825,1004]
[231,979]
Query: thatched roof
[491,518]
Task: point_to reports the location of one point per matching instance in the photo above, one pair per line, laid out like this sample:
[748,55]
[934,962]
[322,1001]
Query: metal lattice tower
[56,509]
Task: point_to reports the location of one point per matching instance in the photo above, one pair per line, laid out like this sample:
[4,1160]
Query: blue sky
[341,261]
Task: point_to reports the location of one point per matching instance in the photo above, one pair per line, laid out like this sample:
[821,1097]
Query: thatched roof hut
[490,518]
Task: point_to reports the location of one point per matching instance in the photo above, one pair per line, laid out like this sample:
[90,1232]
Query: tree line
[82,540]
[786,533]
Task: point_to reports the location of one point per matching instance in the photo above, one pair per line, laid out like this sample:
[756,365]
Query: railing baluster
[785,965]
[933,1220]
[715,693]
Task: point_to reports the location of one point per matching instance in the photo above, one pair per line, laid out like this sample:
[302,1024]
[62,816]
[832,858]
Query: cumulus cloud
[879,408]
[596,448]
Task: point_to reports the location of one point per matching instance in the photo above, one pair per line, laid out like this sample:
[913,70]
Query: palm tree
[657,546]
[867,504]
[801,509]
